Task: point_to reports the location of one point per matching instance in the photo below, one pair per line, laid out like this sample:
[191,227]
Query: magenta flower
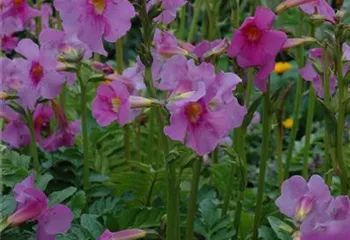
[169,9]
[128,234]
[111,104]
[256,45]
[15,14]
[41,77]
[206,48]
[33,205]
[64,133]
[299,198]
[16,132]
[94,20]
[166,44]
[309,74]
[310,7]
[201,104]
[8,42]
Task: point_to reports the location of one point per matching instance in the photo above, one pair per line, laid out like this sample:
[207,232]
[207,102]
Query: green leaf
[43,180]
[60,196]
[104,206]
[252,109]
[266,233]
[331,122]
[90,223]
[282,230]
[8,205]
[78,203]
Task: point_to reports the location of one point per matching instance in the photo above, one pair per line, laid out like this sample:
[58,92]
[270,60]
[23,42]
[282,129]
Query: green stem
[172,206]
[84,128]
[120,68]
[250,85]
[297,103]
[58,20]
[151,134]
[309,121]
[342,96]
[182,30]
[33,148]
[192,208]
[263,163]
[215,155]
[279,149]
[38,21]
[193,27]
[63,97]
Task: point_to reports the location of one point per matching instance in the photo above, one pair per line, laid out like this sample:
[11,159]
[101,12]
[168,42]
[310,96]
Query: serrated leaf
[60,196]
[103,206]
[90,223]
[8,205]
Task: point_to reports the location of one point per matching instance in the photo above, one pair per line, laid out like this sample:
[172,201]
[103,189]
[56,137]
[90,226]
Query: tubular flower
[254,44]
[201,104]
[169,9]
[320,7]
[309,73]
[64,133]
[33,205]
[95,20]
[206,49]
[128,234]
[40,77]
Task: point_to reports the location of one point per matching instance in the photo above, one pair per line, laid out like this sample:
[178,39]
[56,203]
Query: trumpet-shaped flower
[95,20]
[11,73]
[299,198]
[40,77]
[33,205]
[256,45]
[123,235]
[309,74]
[202,107]
[320,7]
[169,9]
[64,133]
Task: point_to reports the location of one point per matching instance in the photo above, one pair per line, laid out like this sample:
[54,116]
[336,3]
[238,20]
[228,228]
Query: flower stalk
[192,208]
[263,163]
[33,148]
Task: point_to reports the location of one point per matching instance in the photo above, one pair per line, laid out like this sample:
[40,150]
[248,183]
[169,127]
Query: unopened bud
[65,67]
[304,207]
[3,95]
[290,3]
[71,55]
[167,52]
[296,236]
[317,19]
[141,102]
[102,67]
[295,42]
[218,49]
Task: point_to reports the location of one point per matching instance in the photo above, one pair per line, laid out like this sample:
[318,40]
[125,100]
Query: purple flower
[128,234]
[16,132]
[166,44]
[11,74]
[111,104]
[64,133]
[8,42]
[169,9]
[346,52]
[15,14]
[40,77]
[94,20]
[309,74]
[299,198]
[205,48]
[201,104]
[256,45]
[310,7]
[33,205]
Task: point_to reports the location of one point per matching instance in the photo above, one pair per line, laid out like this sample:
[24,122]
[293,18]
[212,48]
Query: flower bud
[167,52]
[291,3]
[295,42]
[317,19]
[141,102]
[304,207]
[3,95]
[71,55]
[102,68]
[218,49]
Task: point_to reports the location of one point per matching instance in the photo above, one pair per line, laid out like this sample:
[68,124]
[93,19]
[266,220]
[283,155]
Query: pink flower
[111,104]
[169,9]
[8,42]
[94,20]
[166,44]
[40,77]
[15,14]
[64,133]
[310,7]
[11,74]
[256,45]
[299,198]
[33,205]
[16,132]
[202,107]
[309,73]
[205,48]
[128,234]
[346,52]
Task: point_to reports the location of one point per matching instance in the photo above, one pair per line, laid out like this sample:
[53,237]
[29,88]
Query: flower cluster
[316,213]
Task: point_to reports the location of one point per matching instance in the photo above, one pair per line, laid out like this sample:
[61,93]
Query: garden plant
[175,119]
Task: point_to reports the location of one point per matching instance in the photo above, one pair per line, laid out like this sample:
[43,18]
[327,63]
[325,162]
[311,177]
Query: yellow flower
[288,123]
[282,67]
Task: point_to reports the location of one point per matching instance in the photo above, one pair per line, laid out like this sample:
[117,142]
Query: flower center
[253,33]
[99,5]
[303,208]
[116,104]
[194,111]
[36,73]
[17,2]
